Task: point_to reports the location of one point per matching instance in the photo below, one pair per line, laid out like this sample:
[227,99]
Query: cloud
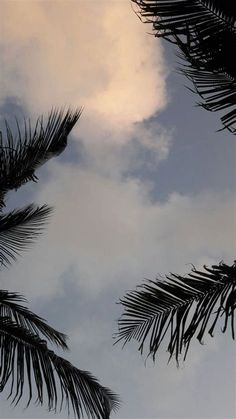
[91,54]
[106,230]
[83,53]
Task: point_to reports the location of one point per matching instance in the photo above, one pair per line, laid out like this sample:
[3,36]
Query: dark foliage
[179,308]
[26,361]
[19,228]
[205,33]
[23,317]
[23,153]
[25,356]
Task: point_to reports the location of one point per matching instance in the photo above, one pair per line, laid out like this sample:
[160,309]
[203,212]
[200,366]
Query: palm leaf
[23,317]
[22,154]
[181,306]
[181,17]
[213,77]
[26,357]
[203,31]
[19,228]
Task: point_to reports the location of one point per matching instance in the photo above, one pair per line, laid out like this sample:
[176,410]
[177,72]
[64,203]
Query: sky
[145,186]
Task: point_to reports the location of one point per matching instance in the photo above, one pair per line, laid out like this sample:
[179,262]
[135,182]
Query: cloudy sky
[145,186]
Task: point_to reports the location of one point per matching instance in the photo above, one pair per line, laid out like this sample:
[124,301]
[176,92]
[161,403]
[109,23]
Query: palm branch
[26,357]
[23,317]
[19,228]
[179,307]
[21,154]
[204,31]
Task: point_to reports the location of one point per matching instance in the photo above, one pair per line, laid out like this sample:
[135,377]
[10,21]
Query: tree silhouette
[205,33]
[28,364]
[178,308]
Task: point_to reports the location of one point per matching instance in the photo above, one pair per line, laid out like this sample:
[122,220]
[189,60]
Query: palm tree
[25,354]
[205,33]
[178,308]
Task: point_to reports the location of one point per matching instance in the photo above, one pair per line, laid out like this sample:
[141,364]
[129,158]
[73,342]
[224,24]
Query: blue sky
[145,186]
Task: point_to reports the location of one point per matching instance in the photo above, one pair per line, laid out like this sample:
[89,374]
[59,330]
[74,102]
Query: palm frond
[213,77]
[26,357]
[22,154]
[205,32]
[23,317]
[177,17]
[19,229]
[181,306]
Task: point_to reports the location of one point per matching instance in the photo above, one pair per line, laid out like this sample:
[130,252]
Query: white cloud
[91,54]
[106,230]
[83,53]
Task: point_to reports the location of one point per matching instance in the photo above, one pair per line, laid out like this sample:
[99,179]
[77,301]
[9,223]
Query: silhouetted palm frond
[22,316]
[26,357]
[177,17]
[23,153]
[205,33]
[19,229]
[26,361]
[217,91]
[179,307]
